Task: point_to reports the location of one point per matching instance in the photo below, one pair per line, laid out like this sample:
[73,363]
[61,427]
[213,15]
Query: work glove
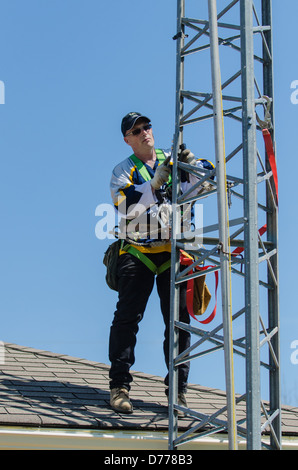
[186,156]
[205,187]
[161,175]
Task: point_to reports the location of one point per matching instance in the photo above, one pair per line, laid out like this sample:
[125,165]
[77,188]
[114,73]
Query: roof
[49,390]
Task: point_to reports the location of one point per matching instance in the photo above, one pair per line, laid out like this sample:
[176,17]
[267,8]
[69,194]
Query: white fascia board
[19,438]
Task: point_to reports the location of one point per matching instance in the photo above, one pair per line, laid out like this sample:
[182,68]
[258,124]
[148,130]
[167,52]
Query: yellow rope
[230,285]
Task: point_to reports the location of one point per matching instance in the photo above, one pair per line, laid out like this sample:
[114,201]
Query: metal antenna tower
[230,85]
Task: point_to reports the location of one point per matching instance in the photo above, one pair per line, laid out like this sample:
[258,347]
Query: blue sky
[72,69]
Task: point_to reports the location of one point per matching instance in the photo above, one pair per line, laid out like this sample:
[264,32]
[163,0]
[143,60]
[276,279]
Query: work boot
[119,400]
[181,402]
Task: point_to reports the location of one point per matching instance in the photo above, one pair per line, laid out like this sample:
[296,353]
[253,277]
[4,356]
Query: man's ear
[125,140]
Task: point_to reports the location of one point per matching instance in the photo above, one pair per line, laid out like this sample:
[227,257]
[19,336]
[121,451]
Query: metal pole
[174,288]
[272,236]
[253,398]
[223,224]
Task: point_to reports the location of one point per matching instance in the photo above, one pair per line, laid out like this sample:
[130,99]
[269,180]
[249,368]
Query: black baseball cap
[129,121]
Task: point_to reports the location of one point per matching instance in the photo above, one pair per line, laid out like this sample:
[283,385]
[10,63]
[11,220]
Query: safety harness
[133,249]
[197,294]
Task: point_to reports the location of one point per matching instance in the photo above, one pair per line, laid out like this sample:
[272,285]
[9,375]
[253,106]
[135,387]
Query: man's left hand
[186,156]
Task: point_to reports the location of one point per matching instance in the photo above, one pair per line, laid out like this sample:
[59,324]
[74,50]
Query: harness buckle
[267,122]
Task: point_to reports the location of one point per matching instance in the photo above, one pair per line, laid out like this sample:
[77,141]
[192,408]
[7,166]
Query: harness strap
[142,257]
[142,167]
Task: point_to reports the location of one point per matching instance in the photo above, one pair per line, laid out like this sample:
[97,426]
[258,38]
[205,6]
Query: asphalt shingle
[45,389]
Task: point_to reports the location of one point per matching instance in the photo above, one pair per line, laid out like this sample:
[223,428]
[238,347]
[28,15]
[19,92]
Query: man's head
[137,131]
[130,120]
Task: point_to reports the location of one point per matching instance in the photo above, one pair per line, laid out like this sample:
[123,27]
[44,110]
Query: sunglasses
[139,130]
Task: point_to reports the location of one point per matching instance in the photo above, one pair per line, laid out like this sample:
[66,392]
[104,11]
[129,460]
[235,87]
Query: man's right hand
[162,174]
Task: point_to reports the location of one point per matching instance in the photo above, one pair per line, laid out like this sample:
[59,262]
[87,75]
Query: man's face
[142,141]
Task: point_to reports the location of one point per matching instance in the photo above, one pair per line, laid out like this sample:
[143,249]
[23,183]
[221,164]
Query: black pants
[136,282]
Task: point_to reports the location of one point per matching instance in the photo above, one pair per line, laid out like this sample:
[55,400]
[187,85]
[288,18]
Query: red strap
[239,250]
[189,291]
[272,162]
[271,158]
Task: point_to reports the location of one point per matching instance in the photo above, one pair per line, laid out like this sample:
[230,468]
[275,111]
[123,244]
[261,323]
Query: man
[141,192]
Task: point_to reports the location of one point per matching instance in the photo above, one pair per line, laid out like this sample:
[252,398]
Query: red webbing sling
[265,125]
[272,163]
[271,158]
[239,250]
